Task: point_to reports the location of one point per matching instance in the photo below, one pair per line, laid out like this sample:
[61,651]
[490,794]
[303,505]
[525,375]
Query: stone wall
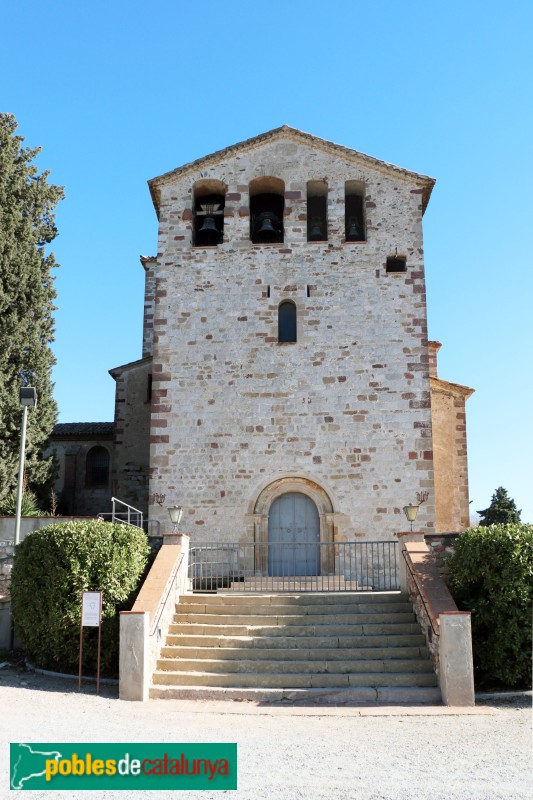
[7,549]
[72,486]
[428,622]
[448,414]
[130,468]
[347,407]
[149,265]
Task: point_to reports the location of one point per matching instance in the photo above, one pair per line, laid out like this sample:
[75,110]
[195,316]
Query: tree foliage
[491,575]
[52,567]
[502,510]
[27,206]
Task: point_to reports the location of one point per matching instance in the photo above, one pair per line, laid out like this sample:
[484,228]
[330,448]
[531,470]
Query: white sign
[91,607]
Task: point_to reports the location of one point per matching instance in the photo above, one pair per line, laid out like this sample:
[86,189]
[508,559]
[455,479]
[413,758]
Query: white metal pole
[21,473]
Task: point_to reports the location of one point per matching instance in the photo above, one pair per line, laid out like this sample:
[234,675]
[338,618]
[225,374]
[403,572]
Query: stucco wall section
[450,455]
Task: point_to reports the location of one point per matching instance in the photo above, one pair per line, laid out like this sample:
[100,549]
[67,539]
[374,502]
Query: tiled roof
[82,429]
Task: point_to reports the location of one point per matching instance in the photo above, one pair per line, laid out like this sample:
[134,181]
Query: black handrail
[420,593]
[167,590]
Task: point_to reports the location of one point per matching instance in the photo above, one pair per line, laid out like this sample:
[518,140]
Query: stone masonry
[7,549]
[343,413]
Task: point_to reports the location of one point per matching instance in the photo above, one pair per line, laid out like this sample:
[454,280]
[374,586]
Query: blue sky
[118,92]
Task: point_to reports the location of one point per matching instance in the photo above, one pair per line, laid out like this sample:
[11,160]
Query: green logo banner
[123,766]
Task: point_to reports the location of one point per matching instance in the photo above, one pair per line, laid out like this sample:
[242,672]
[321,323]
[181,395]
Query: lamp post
[27,399]
[175,513]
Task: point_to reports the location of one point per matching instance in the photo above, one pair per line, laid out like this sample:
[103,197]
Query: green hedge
[52,567]
[492,576]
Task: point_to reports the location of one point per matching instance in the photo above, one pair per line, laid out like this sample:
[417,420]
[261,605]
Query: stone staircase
[335,648]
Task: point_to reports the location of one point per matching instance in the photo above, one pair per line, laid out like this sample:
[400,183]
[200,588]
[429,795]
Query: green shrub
[29,505]
[491,575]
[52,567]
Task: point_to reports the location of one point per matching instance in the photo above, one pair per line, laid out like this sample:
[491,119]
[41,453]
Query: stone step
[340,696]
[370,629]
[293,653]
[303,609]
[295,680]
[287,619]
[331,583]
[320,599]
[299,642]
[279,645]
[278,667]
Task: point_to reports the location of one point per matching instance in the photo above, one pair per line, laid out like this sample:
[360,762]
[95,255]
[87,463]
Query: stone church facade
[285,351]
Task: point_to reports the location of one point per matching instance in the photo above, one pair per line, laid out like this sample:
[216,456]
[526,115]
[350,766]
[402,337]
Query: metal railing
[432,631]
[129,516]
[170,589]
[294,567]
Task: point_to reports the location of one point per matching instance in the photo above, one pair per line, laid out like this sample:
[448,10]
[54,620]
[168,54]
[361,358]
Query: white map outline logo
[53,754]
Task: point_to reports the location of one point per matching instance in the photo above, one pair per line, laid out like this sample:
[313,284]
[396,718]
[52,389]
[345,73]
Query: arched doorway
[293,536]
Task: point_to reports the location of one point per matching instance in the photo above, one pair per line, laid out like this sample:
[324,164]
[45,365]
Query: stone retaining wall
[7,549]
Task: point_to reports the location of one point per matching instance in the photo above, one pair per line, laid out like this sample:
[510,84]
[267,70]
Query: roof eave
[447,386]
[116,371]
[425,182]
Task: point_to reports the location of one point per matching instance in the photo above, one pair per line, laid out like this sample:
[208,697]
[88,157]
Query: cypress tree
[502,510]
[27,212]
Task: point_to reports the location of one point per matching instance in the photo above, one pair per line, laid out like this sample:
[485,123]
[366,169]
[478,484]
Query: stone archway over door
[293,536]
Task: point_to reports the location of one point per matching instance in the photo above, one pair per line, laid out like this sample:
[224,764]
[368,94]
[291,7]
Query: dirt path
[287,753]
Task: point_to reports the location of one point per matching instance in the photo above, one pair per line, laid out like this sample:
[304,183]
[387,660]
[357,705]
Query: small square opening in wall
[396,264]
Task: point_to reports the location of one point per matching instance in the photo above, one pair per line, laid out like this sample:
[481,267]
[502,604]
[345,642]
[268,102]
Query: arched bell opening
[354,220]
[317,211]
[208,213]
[267,204]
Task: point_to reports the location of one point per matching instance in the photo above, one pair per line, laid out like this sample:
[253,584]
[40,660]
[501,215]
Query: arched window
[287,321]
[267,203]
[208,213]
[97,468]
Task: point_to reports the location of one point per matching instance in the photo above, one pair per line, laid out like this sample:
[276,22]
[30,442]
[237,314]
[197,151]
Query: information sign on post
[91,617]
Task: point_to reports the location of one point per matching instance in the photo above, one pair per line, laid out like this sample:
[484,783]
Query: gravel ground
[285,753]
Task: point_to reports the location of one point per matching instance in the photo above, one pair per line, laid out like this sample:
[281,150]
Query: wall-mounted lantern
[175,513]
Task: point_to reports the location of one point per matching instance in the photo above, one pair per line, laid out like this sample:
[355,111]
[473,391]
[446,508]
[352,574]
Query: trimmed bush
[52,567]
[491,575]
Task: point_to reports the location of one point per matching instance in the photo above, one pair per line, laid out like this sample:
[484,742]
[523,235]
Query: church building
[286,385]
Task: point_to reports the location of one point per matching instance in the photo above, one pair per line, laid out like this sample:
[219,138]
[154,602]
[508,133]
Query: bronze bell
[353,233]
[315,233]
[264,227]
[208,234]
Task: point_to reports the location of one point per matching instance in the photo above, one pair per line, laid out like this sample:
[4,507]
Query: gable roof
[286,132]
